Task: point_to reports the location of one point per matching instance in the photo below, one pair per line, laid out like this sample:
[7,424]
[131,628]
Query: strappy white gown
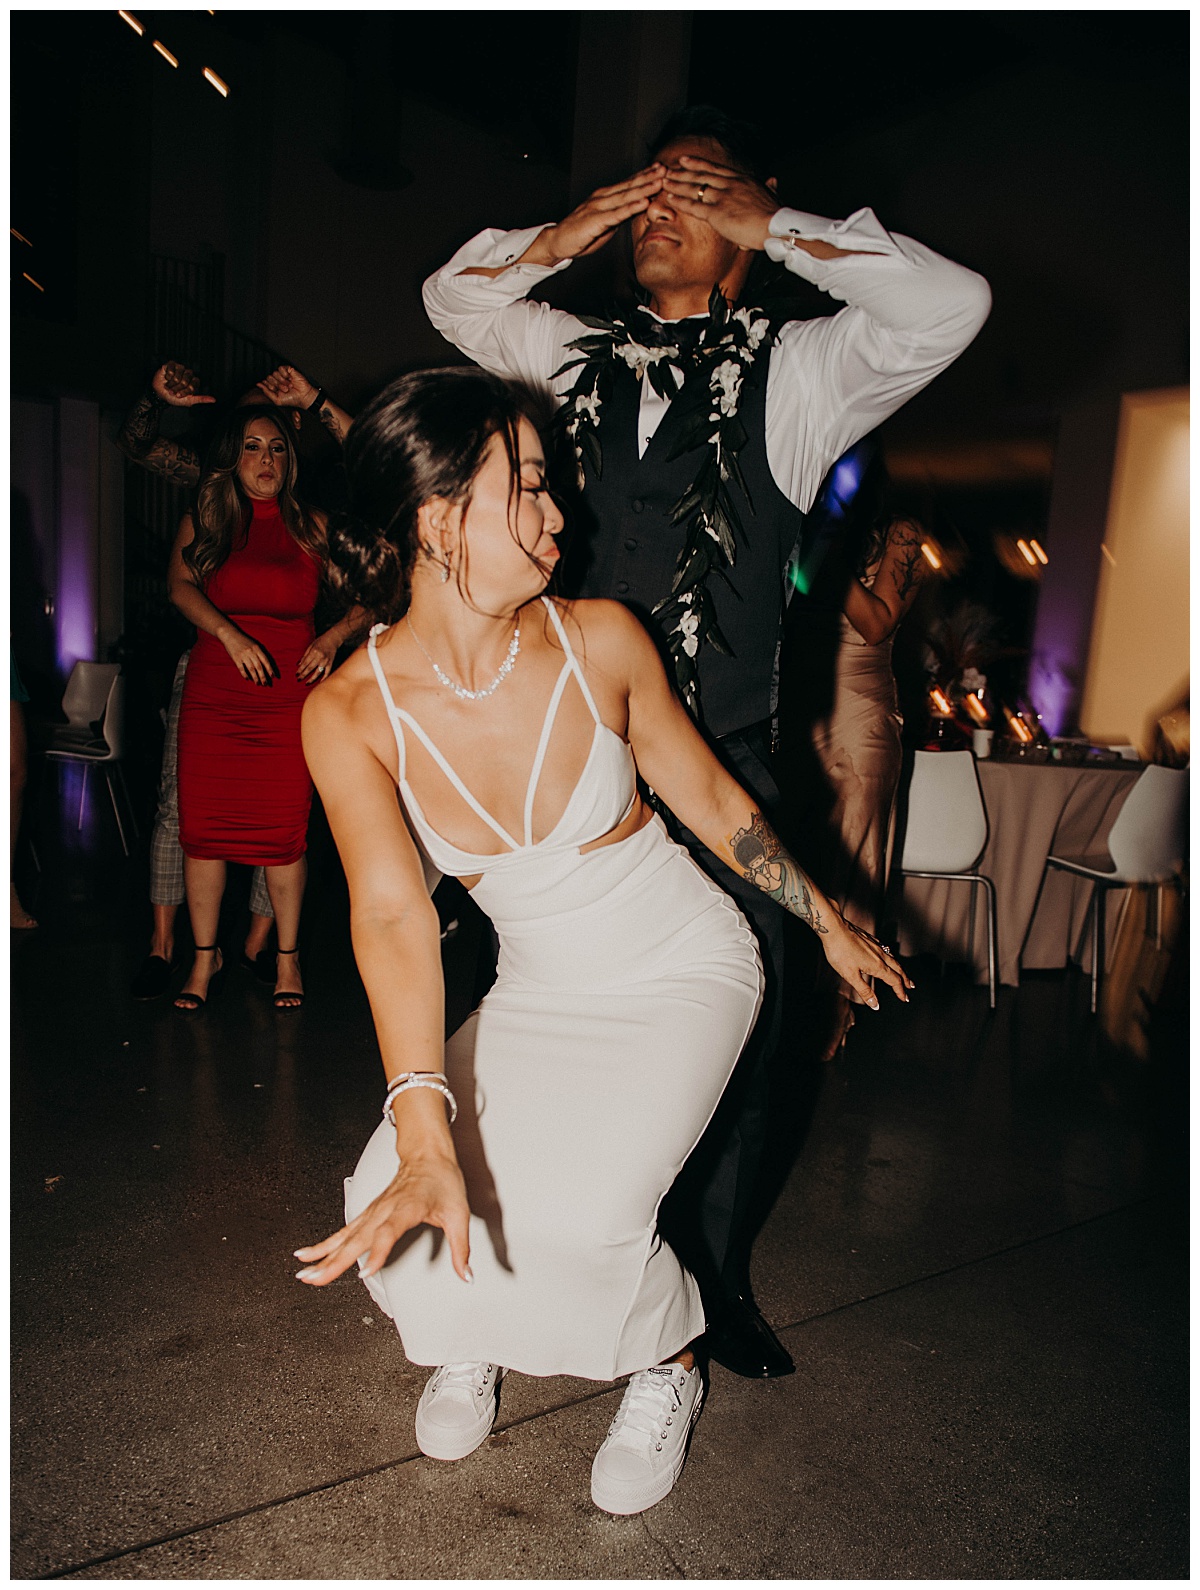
[627,985]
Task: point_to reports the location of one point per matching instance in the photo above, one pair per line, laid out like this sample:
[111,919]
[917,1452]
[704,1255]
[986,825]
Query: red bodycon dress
[244,789]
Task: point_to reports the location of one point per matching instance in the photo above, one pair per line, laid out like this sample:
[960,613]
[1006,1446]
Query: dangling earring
[446,571]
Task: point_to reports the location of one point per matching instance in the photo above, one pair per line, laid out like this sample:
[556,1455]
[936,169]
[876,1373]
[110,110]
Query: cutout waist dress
[627,984]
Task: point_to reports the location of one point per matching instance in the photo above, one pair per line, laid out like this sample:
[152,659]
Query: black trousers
[707,1215]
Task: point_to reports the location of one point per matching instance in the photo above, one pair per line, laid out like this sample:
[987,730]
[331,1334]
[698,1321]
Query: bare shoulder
[610,633]
[348,702]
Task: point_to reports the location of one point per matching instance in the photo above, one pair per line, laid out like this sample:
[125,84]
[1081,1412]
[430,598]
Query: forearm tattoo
[139,440]
[140,430]
[174,462]
[762,859]
[330,421]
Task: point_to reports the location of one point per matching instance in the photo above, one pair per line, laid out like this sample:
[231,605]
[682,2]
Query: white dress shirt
[909,314]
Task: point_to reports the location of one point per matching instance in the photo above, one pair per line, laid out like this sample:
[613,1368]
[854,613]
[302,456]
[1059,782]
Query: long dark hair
[222,507]
[744,142]
[426,435]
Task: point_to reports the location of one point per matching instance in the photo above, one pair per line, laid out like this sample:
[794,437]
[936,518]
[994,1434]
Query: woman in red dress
[246,570]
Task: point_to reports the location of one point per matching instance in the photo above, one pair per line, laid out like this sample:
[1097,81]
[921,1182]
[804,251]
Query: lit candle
[973,701]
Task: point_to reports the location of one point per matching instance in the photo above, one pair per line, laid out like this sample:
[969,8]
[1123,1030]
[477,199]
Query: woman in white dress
[503,1214]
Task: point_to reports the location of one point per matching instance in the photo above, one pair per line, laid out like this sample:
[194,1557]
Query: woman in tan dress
[856,738]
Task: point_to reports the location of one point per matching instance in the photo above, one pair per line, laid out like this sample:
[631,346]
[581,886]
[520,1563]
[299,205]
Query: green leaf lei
[713,378]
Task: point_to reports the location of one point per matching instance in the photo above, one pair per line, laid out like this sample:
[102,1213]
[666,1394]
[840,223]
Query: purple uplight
[75,608]
[1051,687]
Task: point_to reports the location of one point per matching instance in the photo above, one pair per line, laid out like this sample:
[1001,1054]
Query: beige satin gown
[857,744]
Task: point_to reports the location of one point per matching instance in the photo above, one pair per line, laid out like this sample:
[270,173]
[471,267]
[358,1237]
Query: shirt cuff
[493,250]
[861,231]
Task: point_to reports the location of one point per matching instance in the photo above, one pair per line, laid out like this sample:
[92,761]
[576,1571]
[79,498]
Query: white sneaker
[647,1441]
[457,1409]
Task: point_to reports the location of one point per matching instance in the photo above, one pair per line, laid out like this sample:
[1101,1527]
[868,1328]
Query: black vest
[630,547]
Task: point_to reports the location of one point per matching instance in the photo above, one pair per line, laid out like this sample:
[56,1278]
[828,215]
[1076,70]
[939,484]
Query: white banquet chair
[946,831]
[94,733]
[1146,845]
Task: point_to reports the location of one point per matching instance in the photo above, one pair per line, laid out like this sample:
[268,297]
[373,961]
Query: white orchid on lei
[638,357]
[714,377]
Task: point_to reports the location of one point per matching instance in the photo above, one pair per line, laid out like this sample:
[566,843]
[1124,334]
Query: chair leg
[989,890]
[1154,912]
[133,823]
[112,795]
[82,795]
[1098,910]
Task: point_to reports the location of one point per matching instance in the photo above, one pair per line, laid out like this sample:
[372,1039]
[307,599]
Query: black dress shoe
[153,980]
[742,1341]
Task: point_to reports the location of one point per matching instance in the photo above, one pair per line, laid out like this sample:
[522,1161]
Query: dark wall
[1047,150]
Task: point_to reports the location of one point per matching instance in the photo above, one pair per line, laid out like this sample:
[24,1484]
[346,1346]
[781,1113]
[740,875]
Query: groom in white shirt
[703,434]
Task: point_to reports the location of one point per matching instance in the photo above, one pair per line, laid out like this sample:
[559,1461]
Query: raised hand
[429,1193]
[249,658]
[736,205]
[858,958]
[175,384]
[288,389]
[591,224]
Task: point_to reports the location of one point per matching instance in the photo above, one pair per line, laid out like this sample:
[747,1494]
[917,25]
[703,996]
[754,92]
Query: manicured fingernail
[298,1253]
[468,1276]
[874,1004]
[306,1275]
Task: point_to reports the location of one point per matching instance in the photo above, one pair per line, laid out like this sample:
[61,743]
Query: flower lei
[713,377]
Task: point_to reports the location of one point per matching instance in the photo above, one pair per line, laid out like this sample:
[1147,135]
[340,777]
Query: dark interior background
[296,219]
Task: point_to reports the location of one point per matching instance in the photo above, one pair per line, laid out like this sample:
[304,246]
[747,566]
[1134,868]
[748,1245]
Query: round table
[1033,809]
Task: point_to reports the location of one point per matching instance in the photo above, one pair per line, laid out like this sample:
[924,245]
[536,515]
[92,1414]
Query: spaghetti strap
[480,811]
[569,653]
[543,742]
[392,709]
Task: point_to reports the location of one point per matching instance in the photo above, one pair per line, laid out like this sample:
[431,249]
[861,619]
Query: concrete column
[1083,463]
[110,604]
[77,597]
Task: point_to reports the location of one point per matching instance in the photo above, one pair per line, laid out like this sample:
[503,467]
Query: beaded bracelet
[419,1079]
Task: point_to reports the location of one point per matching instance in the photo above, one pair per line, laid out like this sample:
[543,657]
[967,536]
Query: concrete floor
[978,1260]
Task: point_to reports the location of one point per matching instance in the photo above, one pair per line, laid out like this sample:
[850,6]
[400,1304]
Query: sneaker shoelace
[652,1399]
[474,1379]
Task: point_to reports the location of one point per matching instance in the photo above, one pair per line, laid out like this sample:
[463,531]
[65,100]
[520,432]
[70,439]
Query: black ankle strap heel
[294,1000]
[189,1002]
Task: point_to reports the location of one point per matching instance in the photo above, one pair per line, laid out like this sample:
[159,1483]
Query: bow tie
[682,334]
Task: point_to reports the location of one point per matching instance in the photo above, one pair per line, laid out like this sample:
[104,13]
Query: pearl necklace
[461,691]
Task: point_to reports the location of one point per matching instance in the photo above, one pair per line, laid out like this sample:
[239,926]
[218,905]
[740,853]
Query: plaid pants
[166,853]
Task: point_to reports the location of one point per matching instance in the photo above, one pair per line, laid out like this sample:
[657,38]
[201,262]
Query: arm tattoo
[139,440]
[174,462]
[909,567]
[762,860]
[140,429]
[330,421]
